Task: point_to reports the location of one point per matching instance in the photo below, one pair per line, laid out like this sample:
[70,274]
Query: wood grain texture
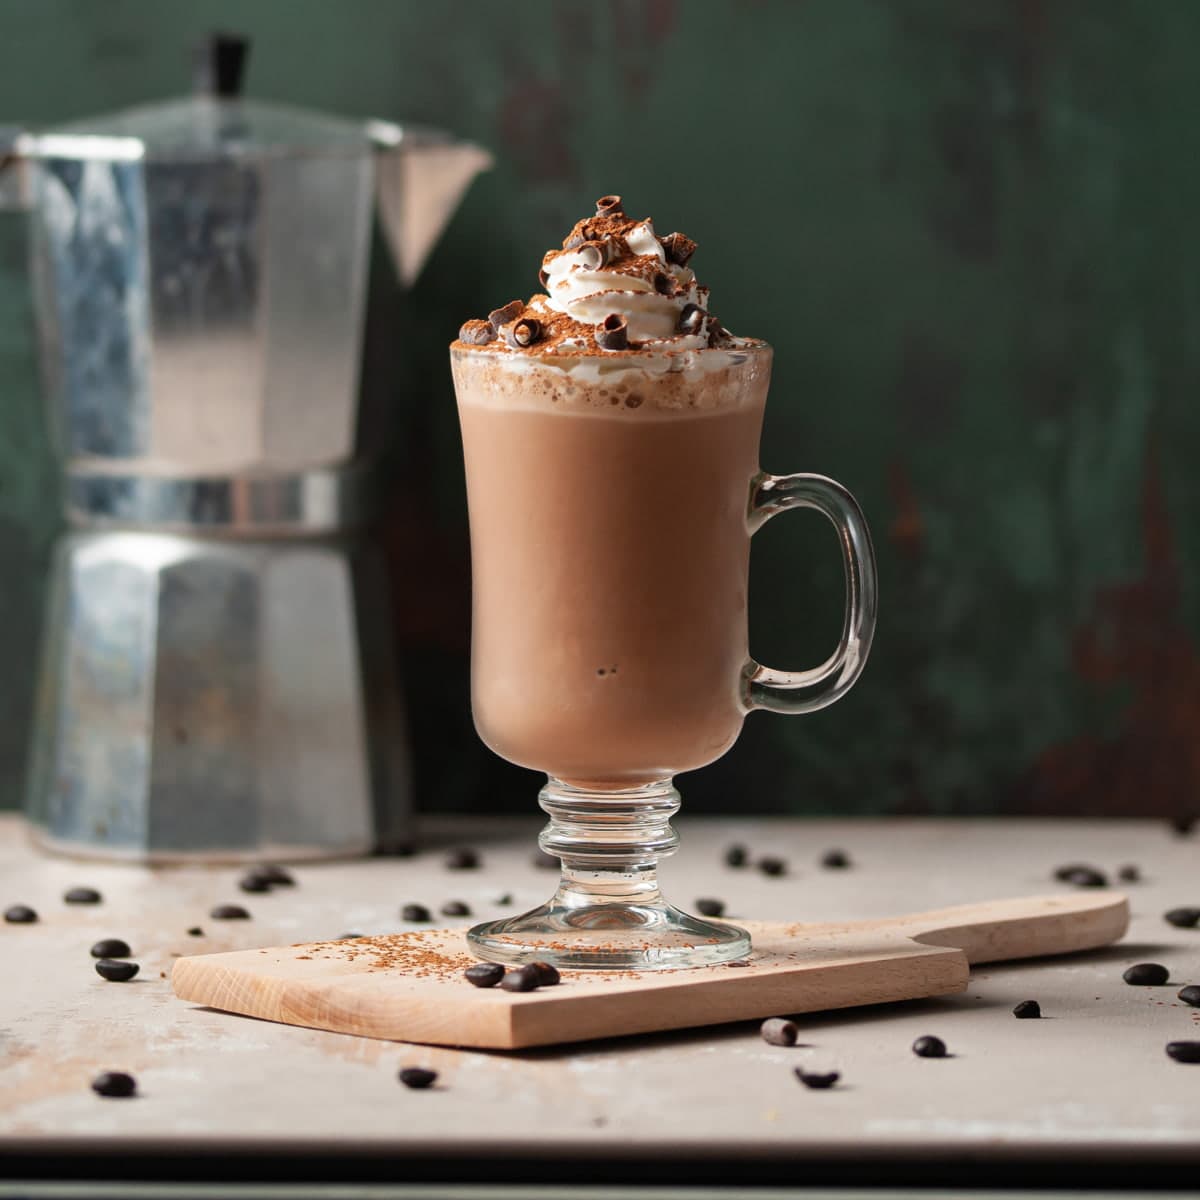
[354,987]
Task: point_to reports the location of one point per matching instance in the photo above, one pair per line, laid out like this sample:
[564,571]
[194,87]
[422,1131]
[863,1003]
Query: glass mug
[611,507]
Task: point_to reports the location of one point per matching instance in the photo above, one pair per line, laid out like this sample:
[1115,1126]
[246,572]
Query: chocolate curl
[543,278]
[574,241]
[477,333]
[510,312]
[664,285]
[613,333]
[691,320]
[678,248]
[609,206]
[595,255]
[524,333]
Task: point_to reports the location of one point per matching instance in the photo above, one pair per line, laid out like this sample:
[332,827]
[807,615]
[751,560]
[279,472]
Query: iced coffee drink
[610,430]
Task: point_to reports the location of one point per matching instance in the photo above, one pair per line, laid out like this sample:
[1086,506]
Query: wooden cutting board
[409,986]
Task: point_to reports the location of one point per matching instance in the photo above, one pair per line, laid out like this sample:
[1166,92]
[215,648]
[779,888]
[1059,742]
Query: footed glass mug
[611,508]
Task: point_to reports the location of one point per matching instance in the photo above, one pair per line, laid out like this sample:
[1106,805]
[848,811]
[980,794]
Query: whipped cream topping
[614,287]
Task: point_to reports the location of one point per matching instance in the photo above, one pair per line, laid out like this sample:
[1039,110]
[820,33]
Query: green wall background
[968,226]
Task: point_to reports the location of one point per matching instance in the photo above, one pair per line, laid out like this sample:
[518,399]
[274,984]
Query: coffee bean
[1183,918]
[254,883]
[415,912]
[455,908]
[229,912]
[738,962]
[835,860]
[1087,877]
[417,1078]
[116,1085]
[1146,975]
[114,971]
[779,1031]
[195,931]
[547,973]
[708,907]
[111,948]
[462,859]
[1129,873]
[1183,825]
[817,1079]
[82,895]
[20,914]
[485,974]
[929,1047]
[1190,995]
[1027,1010]
[274,874]
[506,899]
[772,866]
[736,855]
[1184,1052]
[523,979]
[348,937]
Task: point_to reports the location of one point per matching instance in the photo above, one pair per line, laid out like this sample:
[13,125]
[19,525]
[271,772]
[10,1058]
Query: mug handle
[806,691]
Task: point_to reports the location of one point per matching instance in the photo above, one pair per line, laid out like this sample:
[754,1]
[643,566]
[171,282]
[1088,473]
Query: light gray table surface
[1091,1079]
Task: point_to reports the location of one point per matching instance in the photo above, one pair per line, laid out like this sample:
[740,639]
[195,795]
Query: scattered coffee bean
[1027,1010]
[1183,918]
[461,859]
[114,1084]
[613,333]
[254,883]
[195,931]
[736,855]
[1185,1052]
[1183,825]
[835,860]
[609,206]
[779,1031]
[817,1079]
[545,862]
[929,1047]
[523,333]
[503,316]
[1146,975]
[477,333]
[738,962]
[1190,995]
[547,973]
[348,937]
[415,912]
[274,874]
[522,979]
[417,1077]
[1129,873]
[506,899]
[111,948]
[114,971]
[708,907]
[1088,877]
[772,866]
[678,248]
[82,895]
[20,914]
[229,912]
[485,974]
[455,908]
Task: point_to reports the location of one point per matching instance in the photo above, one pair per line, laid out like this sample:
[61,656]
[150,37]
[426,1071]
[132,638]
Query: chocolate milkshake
[610,428]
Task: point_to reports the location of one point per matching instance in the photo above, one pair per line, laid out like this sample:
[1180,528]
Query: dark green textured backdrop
[968,226]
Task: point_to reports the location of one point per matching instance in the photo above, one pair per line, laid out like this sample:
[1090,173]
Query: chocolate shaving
[609,206]
[543,278]
[691,320]
[595,255]
[679,248]
[477,333]
[510,312]
[664,285]
[613,333]
[524,333]
[574,241]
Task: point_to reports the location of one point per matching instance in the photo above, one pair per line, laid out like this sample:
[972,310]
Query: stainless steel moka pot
[217,680]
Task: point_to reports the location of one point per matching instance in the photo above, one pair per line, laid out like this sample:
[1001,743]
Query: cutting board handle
[1029,927]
